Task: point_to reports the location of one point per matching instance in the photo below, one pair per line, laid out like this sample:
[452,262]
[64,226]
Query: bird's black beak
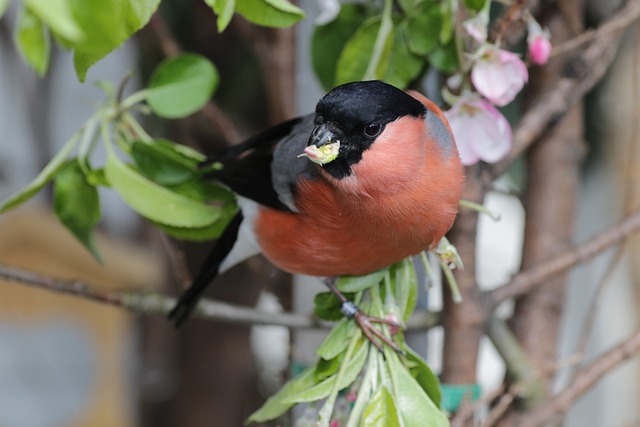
[324,144]
[323,134]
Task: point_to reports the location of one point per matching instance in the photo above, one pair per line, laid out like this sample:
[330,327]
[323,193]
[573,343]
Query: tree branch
[150,303]
[584,380]
[529,279]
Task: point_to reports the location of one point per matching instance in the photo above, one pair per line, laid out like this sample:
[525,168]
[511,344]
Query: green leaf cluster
[267,13]
[396,46]
[92,29]
[157,178]
[391,390]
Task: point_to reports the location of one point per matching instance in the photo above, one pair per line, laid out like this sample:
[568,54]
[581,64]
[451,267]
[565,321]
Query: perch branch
[149,303]
[529,279]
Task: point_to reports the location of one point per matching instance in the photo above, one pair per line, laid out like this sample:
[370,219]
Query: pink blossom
[480,130]
[334,423]
[499,75]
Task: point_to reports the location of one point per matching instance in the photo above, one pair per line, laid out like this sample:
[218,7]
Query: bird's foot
[365,322]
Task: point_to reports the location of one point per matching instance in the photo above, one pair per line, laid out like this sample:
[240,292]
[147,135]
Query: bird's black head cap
[355,114]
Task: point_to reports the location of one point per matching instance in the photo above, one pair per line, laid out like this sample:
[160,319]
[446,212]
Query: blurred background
[66,362]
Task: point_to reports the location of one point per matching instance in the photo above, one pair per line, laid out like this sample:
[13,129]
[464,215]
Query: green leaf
[77,205]
[328,41]
[58,16]
[97,177]
[360,283]
[415,407]
[423,27]
[356,55]
[444,58]
[327,306]
[32,40]
[475,5]
[424,376]
[274,406]
[406,287]
[106,25]
[46,175]
[337,340]
[381,411]
[4,4]
[204,191]
[270,13]
[408,6]
[404,66]
[326,368]
[180,86]
[202,234]
[448,22]
[159,161]
[224,9]
[322,390]
[155,202]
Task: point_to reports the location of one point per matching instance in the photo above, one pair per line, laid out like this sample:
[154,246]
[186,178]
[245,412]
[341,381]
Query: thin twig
[584,380]
[154,303]
[527,280]
[518,389]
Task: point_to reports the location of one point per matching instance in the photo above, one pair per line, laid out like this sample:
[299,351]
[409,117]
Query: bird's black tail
[207,273]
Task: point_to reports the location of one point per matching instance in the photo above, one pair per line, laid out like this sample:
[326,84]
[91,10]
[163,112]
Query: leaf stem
[138,131]
[88,141]
[134,98]
[480,208]
[386,26]
[453,283]
[106,138]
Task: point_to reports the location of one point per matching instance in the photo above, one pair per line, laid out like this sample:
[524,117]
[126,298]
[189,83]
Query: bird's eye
[372,129]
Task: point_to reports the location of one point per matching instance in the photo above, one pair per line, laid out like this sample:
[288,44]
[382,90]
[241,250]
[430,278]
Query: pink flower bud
[480,131]
[538,41]
[539,49]
[498,75]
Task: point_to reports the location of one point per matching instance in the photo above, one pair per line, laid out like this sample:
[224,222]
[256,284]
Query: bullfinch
[369,179]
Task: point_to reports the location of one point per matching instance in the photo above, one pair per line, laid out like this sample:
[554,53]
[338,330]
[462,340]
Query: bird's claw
[365,323]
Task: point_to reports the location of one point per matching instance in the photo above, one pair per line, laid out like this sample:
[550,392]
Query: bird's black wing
[247,167]
[247,170]
[209,270]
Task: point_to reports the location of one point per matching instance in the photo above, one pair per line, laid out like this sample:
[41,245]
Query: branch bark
[464,322]
[154,303]
[584,380]
[529,279]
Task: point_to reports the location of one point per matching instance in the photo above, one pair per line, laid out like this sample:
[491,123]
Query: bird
[371,177]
